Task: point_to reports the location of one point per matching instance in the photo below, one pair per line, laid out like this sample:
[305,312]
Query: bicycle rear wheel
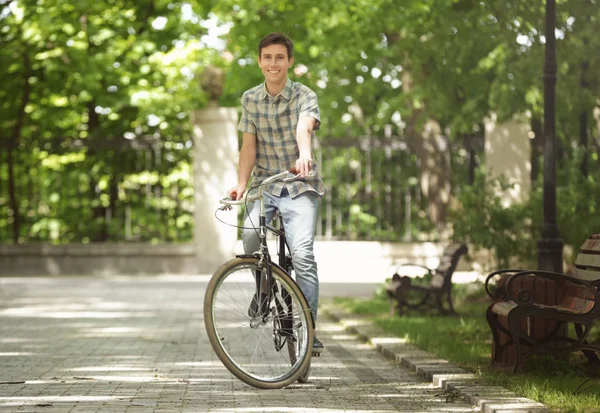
[257,349]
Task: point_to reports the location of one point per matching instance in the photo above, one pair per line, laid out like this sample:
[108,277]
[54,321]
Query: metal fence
[133,191]
[372,190]
[143,191]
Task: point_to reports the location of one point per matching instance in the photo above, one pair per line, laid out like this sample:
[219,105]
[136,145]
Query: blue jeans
[299,220]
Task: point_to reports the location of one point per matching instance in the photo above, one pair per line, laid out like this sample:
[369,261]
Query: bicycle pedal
[316,354]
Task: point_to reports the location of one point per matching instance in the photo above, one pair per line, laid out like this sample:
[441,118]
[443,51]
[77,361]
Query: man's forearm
[246,164]
[304,145]
[304,138]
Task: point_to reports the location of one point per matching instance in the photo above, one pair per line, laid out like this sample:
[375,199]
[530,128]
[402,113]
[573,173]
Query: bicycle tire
[303,378]
[244,344]
[293,347]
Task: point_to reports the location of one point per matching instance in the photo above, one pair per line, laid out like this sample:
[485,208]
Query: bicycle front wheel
[256,348]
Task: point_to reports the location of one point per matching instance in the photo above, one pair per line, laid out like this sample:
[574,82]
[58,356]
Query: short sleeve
[246,123]
[309,107]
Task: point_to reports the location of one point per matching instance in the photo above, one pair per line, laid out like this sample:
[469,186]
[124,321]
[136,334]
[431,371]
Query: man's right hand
[236,192]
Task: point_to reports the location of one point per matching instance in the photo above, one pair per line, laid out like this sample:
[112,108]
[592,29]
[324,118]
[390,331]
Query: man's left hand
[304,165]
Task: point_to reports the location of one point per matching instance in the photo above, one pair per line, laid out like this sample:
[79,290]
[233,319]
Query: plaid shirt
[273,120]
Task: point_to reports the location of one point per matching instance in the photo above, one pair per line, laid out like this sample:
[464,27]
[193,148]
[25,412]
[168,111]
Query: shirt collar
[286,92]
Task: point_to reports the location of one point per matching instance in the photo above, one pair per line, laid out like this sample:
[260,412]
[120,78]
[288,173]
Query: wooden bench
[521,297]
[403,294]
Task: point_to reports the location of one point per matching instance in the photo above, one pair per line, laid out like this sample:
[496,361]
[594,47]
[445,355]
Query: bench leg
[396,305]
[450,305]
[514,326]
[497,347]
[439,305]
[589,354]
[503,356]
[393,306]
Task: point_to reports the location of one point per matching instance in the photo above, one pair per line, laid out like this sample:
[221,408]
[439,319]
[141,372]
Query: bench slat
[588,260]
[592,243]
[588,275]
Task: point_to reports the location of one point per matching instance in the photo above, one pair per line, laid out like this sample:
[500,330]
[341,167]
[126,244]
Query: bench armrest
[498,291]
[524,296]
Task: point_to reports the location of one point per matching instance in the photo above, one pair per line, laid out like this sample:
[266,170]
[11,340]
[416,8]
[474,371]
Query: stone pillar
[508,153]
[215,171]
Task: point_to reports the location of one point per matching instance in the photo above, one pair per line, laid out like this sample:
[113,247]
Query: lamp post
[550,245]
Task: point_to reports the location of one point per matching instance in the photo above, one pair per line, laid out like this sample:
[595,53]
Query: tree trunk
[99,212]
[13,144]
[596,140]
[473,143]
[583,118]
[583,142]
[431,149]
[472,162]
[12,196]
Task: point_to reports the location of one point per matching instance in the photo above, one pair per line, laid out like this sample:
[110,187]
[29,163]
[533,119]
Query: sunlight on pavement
[109,368]
[38,400]
[16,354]
[42,313]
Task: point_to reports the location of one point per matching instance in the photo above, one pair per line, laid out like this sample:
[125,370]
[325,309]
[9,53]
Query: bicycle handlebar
[285,176]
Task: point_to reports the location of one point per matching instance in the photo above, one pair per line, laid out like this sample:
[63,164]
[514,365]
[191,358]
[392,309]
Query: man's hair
[277,38]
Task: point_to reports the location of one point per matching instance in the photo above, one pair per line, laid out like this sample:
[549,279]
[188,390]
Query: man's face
[274,63]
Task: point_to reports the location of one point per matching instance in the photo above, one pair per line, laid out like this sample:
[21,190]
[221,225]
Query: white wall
[215,164]
[508,153]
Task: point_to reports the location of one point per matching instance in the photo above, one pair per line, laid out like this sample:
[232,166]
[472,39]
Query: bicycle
[253,308]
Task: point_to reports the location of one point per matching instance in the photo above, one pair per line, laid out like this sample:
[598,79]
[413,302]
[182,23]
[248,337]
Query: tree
[87,78]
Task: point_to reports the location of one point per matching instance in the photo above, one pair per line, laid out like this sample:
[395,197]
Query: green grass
[566,386]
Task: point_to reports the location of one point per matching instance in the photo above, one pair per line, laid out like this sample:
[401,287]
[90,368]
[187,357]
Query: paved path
[137,344]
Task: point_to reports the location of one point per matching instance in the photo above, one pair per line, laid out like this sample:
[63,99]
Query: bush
[484,222]
[511,232]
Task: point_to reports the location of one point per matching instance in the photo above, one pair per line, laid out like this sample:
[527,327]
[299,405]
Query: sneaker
[317,346]
[253,309]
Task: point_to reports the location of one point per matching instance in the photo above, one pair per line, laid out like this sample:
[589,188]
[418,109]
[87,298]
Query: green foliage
[578,201]
[483,221]
[94,118]
[96,98]
[512,232]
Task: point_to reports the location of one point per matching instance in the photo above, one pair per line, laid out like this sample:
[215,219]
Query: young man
[278,121]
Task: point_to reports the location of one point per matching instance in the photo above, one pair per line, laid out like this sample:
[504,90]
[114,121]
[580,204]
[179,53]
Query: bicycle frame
[265,261]
[263,254]
[278,304]
[284,260]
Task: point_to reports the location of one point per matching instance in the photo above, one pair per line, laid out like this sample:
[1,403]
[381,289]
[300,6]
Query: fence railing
[372,191]
[130,191]
[144,192]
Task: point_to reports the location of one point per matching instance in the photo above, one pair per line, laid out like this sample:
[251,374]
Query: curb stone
[443,374]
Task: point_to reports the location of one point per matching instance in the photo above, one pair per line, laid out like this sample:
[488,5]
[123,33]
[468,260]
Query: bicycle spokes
[251,347]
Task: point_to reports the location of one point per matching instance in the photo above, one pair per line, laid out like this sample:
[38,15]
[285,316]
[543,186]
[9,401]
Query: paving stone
[138,345]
